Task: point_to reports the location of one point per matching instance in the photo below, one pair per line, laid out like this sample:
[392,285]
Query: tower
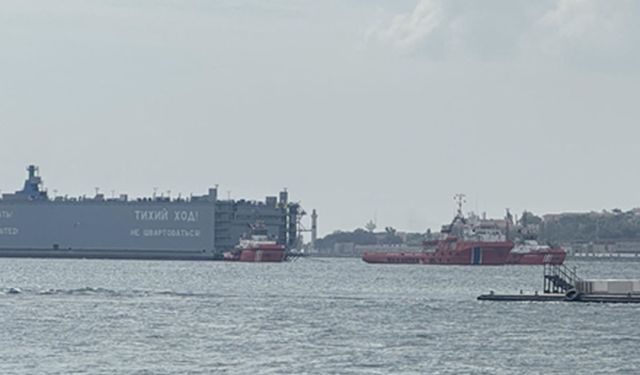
[314,228]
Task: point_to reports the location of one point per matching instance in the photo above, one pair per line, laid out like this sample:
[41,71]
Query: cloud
[578,31]
[590,32]
[407,31]
[459,25]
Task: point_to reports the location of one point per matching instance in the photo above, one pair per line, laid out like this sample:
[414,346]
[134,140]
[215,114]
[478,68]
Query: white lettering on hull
[9,231]
[6,214]
[163,215]
[164,232]
[189,216]
[152,215]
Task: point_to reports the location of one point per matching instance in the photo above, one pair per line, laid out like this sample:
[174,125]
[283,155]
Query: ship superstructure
[199,227]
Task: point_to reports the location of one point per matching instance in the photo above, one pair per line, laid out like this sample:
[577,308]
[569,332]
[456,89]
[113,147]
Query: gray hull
[107,254]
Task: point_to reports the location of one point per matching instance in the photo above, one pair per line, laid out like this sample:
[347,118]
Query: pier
[522,297]
[562,284]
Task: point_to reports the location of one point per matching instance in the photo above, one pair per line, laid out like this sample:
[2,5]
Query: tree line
[612,226]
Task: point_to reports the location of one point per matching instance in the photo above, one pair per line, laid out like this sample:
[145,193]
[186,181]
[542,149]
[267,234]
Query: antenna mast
[460,201]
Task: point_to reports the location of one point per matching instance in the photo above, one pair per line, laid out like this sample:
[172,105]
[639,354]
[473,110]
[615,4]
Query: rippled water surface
[313,316]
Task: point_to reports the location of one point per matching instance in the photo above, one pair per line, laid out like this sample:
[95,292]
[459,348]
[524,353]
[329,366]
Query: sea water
[312,316]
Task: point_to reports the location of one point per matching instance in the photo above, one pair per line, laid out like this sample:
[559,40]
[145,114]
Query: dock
[602,298]
[562,284]
[560,298]
[522,297]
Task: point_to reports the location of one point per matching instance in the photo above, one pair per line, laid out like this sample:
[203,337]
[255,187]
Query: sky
[363,110]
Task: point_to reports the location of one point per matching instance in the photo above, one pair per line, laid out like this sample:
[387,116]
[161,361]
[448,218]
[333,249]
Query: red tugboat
[473,242]
[463,243]
[257,247]
[453,250]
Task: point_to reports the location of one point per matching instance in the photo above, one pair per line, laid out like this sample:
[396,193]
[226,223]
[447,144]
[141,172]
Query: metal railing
[559,278]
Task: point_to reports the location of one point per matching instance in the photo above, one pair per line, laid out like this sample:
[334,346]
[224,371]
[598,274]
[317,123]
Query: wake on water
[93,291]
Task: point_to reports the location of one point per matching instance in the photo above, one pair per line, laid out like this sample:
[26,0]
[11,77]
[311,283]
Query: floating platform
[608,298]
[563,284]
[595,298]
[522,297]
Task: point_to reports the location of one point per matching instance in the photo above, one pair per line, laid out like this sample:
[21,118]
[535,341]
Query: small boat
[530,252]
[257,247]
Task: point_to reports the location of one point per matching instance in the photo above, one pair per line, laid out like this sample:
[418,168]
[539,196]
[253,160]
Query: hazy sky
[359,108]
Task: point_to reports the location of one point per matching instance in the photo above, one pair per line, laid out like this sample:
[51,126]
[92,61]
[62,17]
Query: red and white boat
[531,252]
[477,249]
[257,247]
[473,241]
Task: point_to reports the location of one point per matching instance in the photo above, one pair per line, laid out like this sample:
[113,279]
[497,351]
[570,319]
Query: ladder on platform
[559,278]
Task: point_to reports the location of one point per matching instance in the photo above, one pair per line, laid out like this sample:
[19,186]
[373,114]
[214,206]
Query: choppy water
[314,316]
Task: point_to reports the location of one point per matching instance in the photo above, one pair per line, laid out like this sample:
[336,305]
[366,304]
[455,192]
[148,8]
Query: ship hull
[396,258]
[553,256]
[448,253]
[262,256]
[268,253]
[184,254]
[110,230]
[495,257]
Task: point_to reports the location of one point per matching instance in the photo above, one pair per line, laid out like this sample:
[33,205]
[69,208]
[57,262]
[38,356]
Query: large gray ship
[32,224]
